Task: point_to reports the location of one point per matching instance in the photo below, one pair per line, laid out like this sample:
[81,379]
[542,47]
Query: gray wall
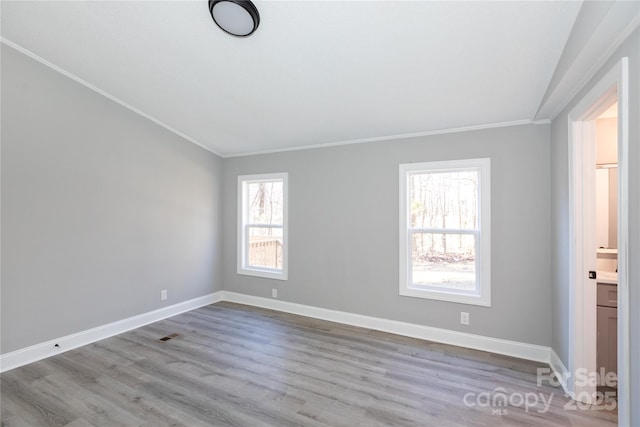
[343,213]
[560,217]
[101,209]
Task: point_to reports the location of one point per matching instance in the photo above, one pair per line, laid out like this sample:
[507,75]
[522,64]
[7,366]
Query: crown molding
[392,137]
[160,123]
[106,94]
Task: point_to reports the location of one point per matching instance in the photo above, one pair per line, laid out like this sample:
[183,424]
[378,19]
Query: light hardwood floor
[235,365]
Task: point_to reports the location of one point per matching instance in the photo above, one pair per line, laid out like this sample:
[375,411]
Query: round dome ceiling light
[236,17]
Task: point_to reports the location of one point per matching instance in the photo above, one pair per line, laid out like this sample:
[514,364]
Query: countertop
[608,277]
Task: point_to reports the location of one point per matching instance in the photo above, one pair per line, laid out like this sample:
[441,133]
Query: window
[262,225]
[445,232]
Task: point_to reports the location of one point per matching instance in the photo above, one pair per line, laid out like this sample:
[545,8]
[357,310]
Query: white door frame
[582,247]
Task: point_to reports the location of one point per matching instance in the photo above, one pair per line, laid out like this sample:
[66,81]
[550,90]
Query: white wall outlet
[163,295]
[464,318]
[274,293]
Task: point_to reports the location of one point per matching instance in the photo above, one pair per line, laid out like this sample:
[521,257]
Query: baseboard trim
[522,350]
[561,371]
[43,350]
[494,345]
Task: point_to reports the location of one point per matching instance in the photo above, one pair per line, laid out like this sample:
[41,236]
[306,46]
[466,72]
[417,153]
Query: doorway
[583,238]
[606,250]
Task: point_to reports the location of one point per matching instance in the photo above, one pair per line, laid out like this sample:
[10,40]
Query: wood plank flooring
[235,365]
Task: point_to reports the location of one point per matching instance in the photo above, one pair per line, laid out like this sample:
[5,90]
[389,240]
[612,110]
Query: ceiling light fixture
[236,17]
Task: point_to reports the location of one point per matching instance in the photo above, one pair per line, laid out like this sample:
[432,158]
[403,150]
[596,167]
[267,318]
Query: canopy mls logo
[499,400]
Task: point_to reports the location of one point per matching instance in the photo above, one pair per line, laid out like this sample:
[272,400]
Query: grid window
[445,231]
[262,225]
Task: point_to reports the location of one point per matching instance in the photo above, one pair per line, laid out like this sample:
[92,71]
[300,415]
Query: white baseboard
[561,371]
[494,345]
[43,350]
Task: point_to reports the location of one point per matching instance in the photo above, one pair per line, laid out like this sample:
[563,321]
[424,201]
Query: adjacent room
[320,213]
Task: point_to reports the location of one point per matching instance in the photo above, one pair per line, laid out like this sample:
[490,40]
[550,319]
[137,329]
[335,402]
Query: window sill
[265,274]
[459,298]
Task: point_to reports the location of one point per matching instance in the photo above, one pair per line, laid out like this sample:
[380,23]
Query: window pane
[265,247]
[265,202]
[444,261]
[444,199]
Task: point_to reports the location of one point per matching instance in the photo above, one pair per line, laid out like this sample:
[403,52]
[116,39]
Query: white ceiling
[315,72]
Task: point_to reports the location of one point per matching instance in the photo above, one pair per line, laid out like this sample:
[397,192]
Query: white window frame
[482,296]
[243,226]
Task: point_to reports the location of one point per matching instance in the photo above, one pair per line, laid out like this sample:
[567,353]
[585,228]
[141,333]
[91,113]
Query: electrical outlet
[464,318]
[274,293]
[163,295]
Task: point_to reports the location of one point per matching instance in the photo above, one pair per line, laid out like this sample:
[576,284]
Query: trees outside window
[262,225]
[444,230]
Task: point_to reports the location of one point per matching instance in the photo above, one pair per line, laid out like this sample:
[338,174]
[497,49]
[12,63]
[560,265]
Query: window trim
[483,264]
[243,226]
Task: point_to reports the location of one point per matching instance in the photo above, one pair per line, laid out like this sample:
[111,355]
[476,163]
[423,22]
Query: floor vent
[168,337]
